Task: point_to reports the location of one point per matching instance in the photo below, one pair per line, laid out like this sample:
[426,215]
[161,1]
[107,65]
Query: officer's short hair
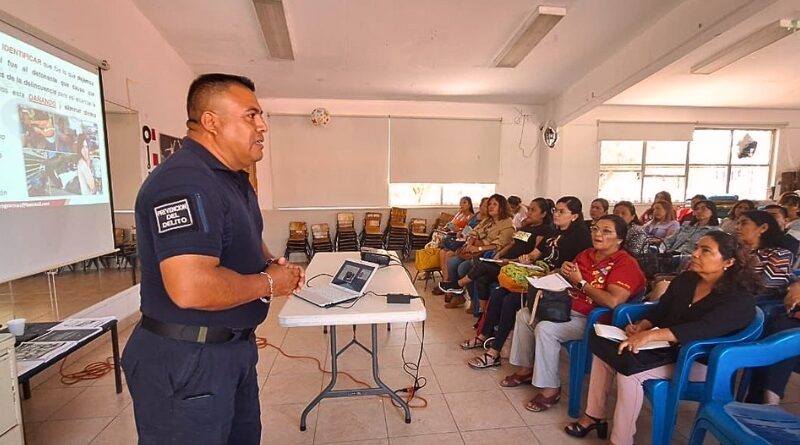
[206,85]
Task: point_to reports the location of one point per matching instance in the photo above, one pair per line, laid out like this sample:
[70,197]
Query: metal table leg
[381,388]
[115,351]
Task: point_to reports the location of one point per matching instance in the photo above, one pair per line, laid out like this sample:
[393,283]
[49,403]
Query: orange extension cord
[97,370]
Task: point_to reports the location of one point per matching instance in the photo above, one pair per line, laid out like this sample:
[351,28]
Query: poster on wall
[169,145]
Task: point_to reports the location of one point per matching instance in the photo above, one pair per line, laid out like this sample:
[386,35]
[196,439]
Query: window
[715,162]
[428,194]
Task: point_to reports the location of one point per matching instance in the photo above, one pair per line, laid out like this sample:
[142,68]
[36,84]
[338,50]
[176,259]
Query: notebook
[348,284]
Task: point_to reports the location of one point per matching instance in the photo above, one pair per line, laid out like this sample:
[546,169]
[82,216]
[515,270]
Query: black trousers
[483,274]
[501,314]
[775,377]
[192,393]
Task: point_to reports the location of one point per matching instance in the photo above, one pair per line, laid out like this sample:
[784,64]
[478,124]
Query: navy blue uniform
[189,392]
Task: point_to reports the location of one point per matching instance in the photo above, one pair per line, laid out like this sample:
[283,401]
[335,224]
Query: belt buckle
[202,333]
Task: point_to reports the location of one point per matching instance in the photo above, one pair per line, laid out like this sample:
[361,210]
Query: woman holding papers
[713,298]
[537,226]
[602,275]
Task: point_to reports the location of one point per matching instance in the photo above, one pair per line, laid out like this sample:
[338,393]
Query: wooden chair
[418,233]
[395,237]
[321,238]
[298,239]
[346,239]
[371,235]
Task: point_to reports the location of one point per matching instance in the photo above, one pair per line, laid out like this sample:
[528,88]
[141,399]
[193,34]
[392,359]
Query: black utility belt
[196,334]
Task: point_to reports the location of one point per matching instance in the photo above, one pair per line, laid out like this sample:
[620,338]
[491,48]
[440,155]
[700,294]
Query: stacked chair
[298,239]
[371,233]
[346,239]
[418,233]
[442,220]
[321,238]
[395,237]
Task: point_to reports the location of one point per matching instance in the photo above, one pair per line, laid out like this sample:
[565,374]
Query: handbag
[514,278]
[545,305]
[629,363]
[427,258]
[451,243]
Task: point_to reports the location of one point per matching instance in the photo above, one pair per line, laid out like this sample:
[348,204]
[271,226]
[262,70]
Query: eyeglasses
[561,211]
[605,232]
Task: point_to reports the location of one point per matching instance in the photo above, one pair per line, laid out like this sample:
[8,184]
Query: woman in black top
[571,238]
[537,226]
[713,298]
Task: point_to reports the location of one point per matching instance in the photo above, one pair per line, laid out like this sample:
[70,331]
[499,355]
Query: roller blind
[644,131]
[344,164]
[444,150]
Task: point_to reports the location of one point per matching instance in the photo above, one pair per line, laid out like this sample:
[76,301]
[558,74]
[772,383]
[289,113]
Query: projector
[377,256]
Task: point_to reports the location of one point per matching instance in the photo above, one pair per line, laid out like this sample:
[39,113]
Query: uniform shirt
[193,204]
[716,315]
[525,239]
[619,269]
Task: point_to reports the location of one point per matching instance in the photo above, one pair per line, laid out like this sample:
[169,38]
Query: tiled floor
[464,406]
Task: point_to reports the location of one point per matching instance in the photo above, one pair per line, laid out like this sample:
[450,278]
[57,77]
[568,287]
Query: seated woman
[603,275]
[538,226]
[712,299]
[598,208]
[662,222]
[636,238]
[492,234]
[663,195]
[728,225]
[704,220]
[759,233]
[465,208]
[791,202]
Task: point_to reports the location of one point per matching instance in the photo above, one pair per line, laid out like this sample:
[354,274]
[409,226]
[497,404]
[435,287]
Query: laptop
[348,284]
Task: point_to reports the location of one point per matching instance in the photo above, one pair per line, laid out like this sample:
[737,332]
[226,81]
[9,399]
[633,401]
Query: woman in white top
[791,202]
[85,176]
[662,224]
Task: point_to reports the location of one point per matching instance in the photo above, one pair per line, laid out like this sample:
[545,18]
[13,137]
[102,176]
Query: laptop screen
[353,275]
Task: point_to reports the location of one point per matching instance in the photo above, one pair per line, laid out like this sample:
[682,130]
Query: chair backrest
[372,222]
[397,216]
[345,220]
[298,230]
[725,360]
[418,226]
[119,237]
[320,231]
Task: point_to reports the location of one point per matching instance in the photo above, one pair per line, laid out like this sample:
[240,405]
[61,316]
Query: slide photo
[69,164]
[36,128]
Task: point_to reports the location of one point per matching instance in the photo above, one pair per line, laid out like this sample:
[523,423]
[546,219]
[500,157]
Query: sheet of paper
[82,323]
[528,266]
[553,282]
[616,334]
[491,260]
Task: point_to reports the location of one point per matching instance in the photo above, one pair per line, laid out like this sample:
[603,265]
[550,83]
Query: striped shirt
[775,265]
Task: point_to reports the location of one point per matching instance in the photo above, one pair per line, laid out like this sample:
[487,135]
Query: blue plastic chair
[743,423]
[580,363]
[666,394]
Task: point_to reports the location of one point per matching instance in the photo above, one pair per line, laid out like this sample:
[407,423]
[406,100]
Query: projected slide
[52,147]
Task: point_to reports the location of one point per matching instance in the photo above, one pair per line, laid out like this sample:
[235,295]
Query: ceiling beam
[272,18]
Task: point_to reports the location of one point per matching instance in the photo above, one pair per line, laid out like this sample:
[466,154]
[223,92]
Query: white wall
[518,174]
[146,73]
[573,167]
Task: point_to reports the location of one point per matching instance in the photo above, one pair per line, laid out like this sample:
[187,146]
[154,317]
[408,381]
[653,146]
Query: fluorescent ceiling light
[543,19]
[273,25]
[746,46]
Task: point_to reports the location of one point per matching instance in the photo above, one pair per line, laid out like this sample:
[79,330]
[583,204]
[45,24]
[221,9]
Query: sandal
[473,343]
[541,403]
[484,361]
[514,380]
[575,429]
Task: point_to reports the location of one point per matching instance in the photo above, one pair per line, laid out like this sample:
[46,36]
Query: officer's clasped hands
[287,277]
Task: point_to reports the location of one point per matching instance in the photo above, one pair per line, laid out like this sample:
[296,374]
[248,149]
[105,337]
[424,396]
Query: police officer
[207,277]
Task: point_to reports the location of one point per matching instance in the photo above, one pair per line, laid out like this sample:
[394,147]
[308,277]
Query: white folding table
[370,309]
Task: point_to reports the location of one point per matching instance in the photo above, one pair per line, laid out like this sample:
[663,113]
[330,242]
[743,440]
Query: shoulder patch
[177,214]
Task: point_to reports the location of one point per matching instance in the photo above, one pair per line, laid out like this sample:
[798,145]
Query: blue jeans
[457,268]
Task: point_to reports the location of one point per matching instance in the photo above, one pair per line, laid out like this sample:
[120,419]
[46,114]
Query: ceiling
[402,49]
[768,78]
